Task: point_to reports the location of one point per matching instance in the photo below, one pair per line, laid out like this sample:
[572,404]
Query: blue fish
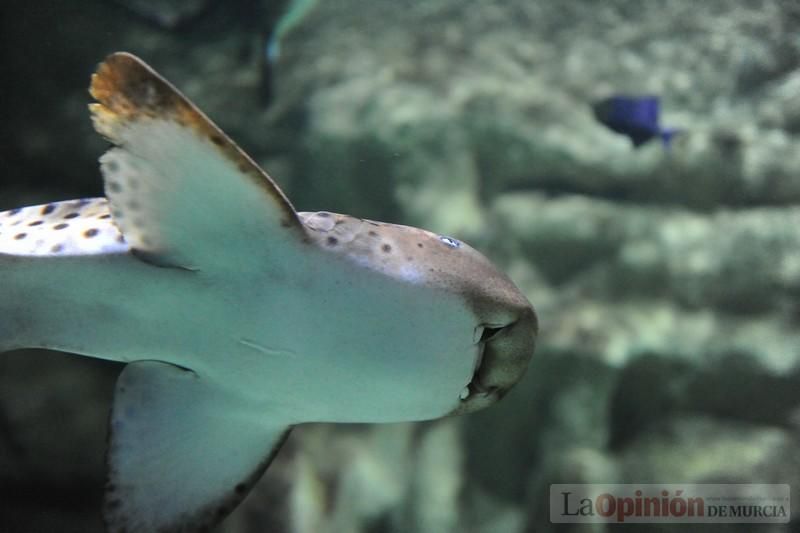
[636,117]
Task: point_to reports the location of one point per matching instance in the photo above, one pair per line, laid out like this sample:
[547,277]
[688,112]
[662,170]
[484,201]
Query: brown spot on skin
[46,210]
[333,241]
[20,236]
[71,215]
[104,216]
[36,223]
[57,248]
[386,248]
[89,233]
[372,233]
[61,226]
[419,245]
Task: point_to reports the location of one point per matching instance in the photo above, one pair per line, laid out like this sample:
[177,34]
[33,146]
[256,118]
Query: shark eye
[449,241]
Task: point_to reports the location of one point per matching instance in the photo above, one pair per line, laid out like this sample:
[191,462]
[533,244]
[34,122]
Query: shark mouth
[475,385]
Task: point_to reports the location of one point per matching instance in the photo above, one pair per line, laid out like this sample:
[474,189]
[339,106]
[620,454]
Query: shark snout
[505,352]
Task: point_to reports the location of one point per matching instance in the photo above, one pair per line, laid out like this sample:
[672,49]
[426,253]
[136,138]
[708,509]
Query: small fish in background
[636,117]
[295,12]
[285,19]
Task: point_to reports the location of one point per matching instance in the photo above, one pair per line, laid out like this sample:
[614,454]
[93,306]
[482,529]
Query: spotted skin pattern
[73,227]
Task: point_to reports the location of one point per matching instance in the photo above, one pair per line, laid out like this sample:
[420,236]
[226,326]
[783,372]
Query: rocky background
[666,281]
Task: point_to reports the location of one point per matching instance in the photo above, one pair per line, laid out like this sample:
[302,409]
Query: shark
[236,316]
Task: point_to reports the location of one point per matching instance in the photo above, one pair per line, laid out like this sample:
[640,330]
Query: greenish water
[666,278]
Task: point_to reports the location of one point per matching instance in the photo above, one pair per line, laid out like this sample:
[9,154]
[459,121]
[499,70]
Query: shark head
[504,325]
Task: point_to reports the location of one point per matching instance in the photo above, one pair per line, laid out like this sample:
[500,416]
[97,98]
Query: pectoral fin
[177,185]
[182,454]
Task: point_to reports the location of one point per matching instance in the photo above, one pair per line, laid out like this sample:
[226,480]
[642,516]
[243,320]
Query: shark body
[238,316]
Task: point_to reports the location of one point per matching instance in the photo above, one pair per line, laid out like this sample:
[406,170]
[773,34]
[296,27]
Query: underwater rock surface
[666,282]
